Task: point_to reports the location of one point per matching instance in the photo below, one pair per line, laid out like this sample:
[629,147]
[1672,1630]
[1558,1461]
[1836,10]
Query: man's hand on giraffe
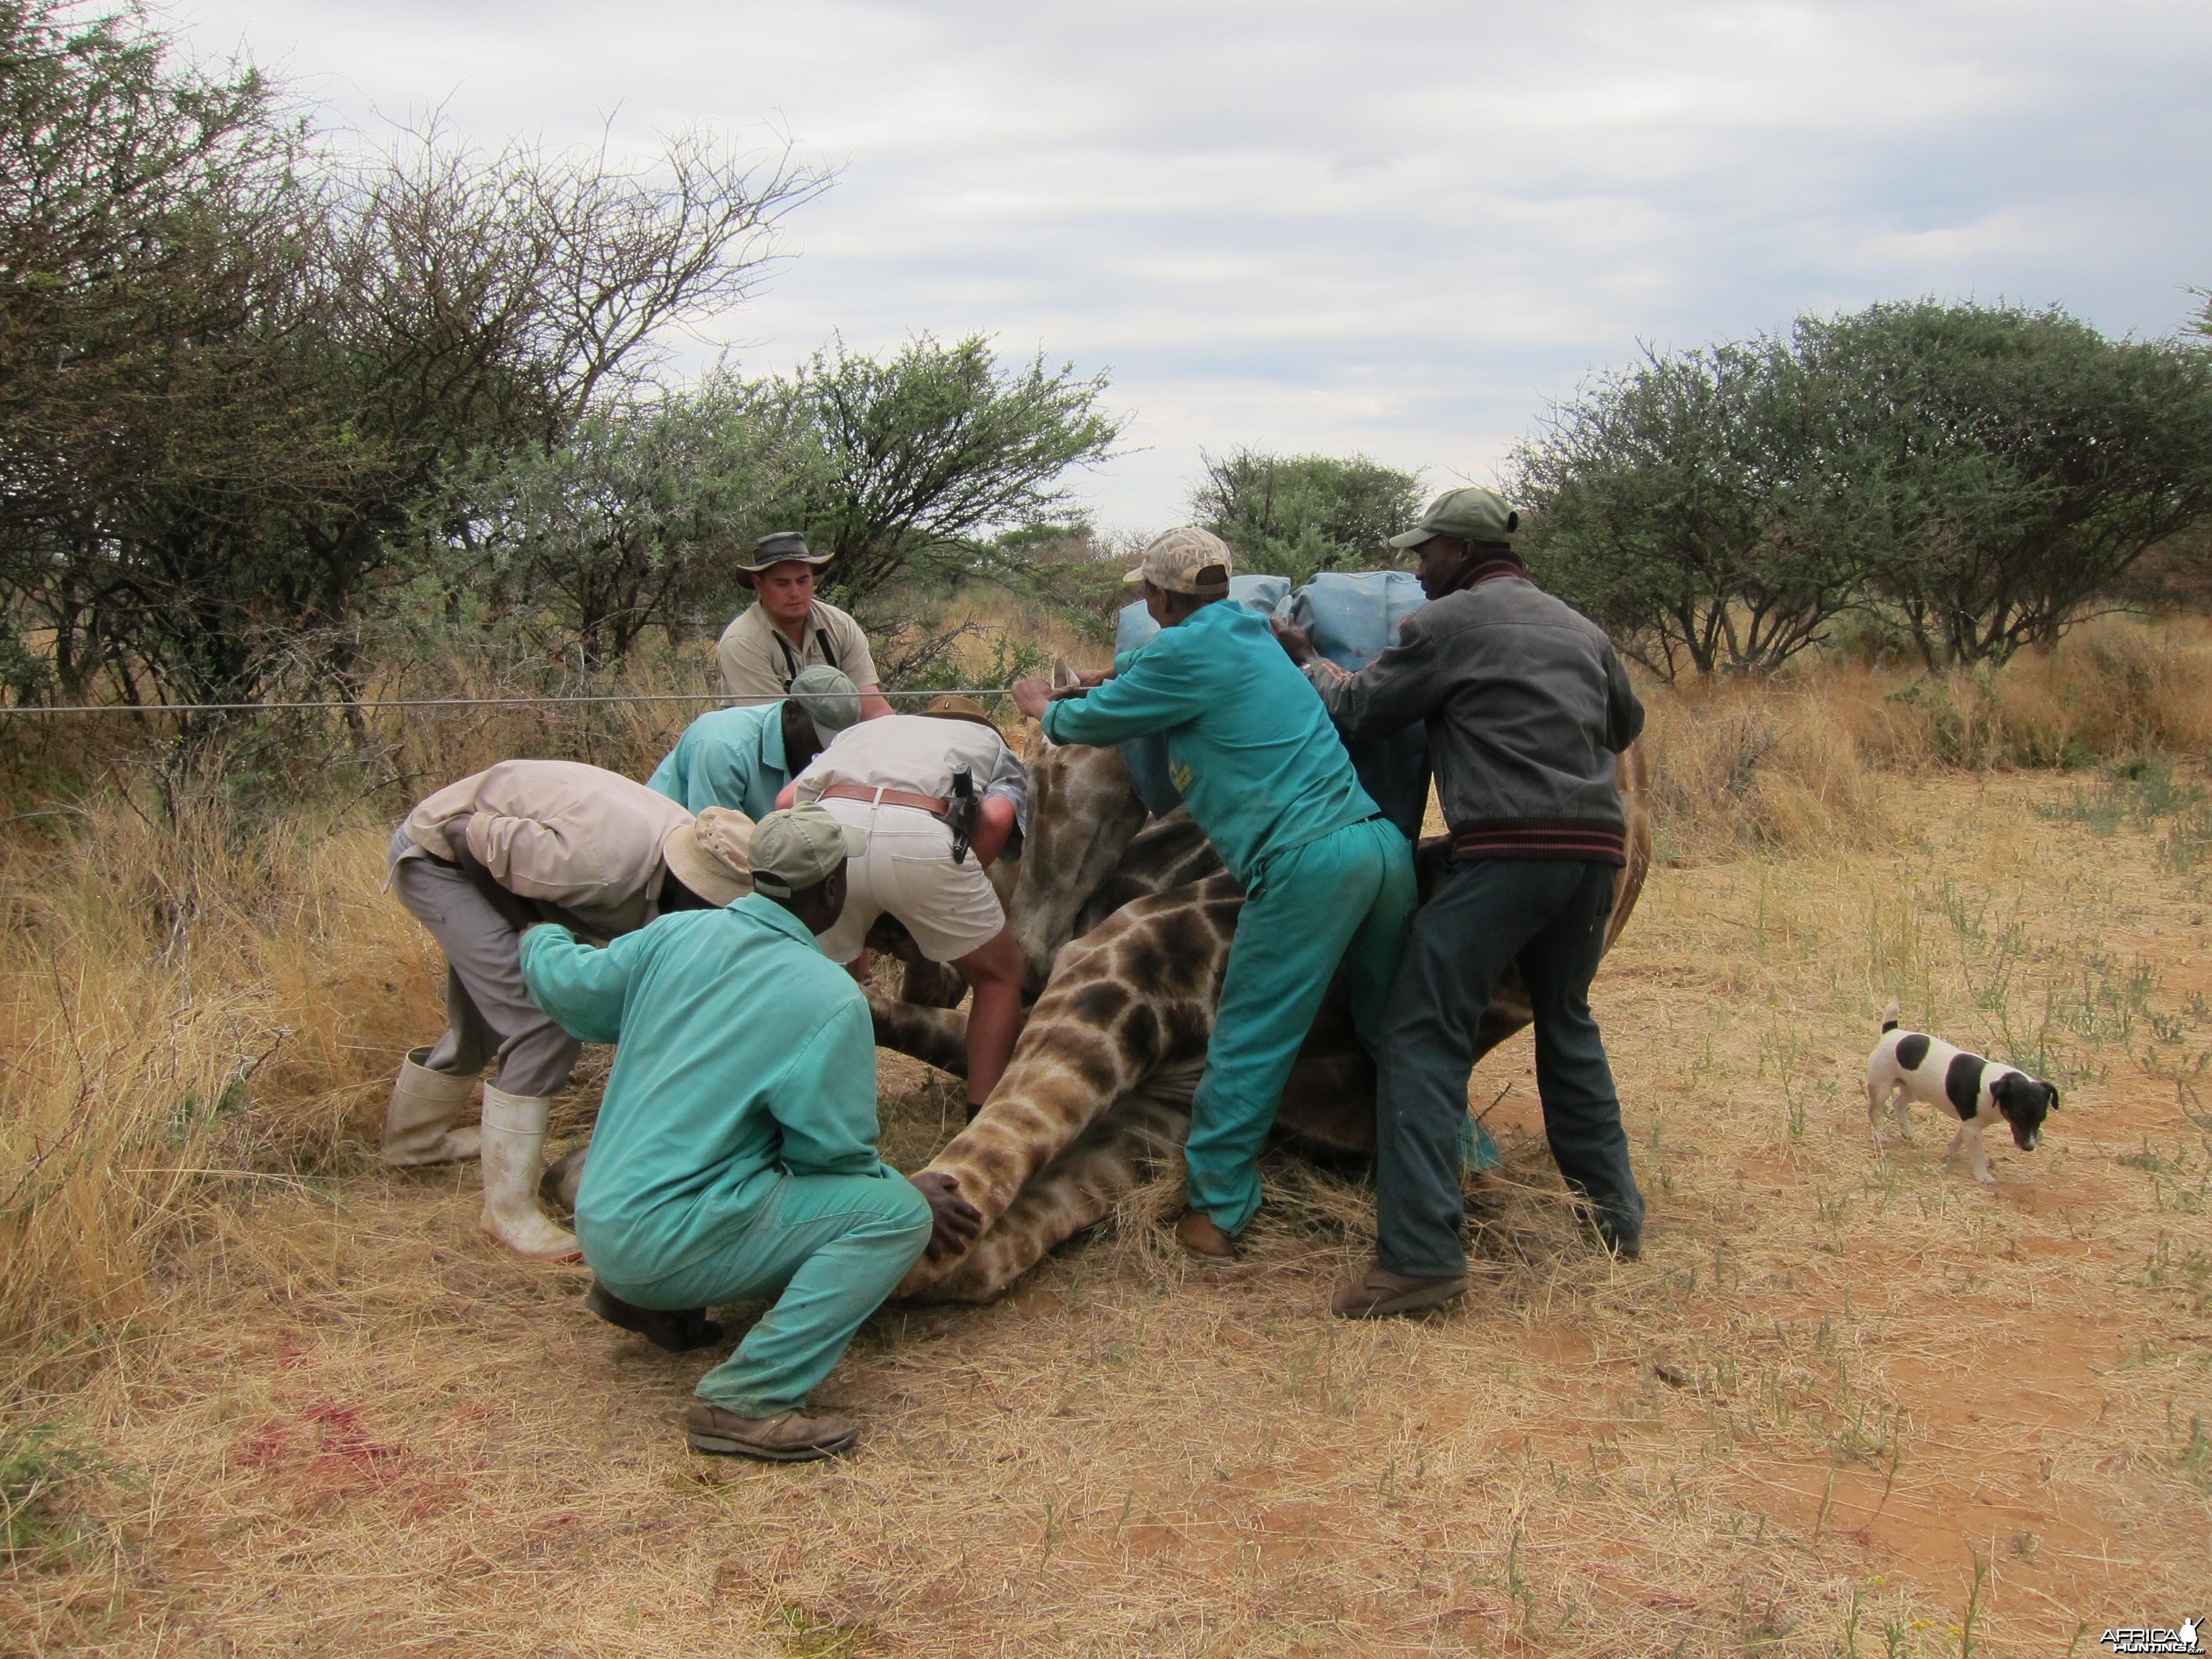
[1033,696]
[953,1221]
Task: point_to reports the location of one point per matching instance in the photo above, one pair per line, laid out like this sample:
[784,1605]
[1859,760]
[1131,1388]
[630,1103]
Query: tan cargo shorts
[908,870]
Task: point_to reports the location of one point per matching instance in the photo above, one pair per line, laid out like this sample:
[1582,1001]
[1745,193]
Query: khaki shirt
[586,840]
[916,752]
[759,662]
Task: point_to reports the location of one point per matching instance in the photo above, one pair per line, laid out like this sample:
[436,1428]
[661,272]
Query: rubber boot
[418,1125]
[514,1145]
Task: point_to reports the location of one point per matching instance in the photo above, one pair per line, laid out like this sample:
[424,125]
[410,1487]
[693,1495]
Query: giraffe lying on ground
[1097,1096]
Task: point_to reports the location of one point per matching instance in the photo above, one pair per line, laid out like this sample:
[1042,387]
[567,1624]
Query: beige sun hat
[712,854]
[1185,561]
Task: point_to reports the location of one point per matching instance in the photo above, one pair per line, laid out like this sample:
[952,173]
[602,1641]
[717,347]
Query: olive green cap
[1471,514]
[801,848]
[830,698]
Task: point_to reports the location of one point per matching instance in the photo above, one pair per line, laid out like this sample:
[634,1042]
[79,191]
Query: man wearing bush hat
[1325,878]
[741,758]
[478,862]
[787,630]
[735,1157]
[1527,710]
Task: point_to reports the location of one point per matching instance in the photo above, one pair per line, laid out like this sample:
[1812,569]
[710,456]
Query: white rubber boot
[514,1145]
[418,1125]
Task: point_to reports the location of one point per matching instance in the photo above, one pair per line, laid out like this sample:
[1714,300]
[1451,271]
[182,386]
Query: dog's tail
[1889,1016]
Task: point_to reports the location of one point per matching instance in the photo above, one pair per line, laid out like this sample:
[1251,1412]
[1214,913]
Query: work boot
[418,1125]
[1379,1293]
[1204,1242]
[677,1333]
[563,1180]
[786,1438]
[514,1140]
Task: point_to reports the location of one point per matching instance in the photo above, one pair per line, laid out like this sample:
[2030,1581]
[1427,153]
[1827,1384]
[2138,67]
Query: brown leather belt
[933,805]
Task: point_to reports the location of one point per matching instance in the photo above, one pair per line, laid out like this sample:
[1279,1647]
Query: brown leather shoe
[677,1331]
[786,1438]
[1204,1242]
[1379,1293]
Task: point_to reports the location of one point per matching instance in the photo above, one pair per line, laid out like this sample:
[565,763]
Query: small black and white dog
[1909,1066]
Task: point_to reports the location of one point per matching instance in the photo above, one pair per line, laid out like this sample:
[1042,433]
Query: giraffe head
[1083,810]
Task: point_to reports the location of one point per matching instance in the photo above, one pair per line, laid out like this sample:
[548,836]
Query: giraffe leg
[1126,1006]
[936,1035]
[1124,1149]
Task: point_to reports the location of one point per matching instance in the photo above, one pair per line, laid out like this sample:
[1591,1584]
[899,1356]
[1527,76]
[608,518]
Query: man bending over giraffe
[895,779]
[1527,710]
[735,1155]
[1326,878]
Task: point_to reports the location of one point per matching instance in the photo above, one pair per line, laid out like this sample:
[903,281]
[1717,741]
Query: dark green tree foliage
[2026,462]
[1291,515]
[302,351]
[634,519]
[926,450]
[1705,508]
[1981,475]
[126,192]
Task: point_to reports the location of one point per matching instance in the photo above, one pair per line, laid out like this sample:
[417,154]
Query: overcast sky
[1398,228]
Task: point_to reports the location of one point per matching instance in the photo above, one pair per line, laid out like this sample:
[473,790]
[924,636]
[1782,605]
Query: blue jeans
[1550,916]
[828,1248]
[1346,898]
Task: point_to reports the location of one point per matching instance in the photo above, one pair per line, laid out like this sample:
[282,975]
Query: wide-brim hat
[950,707]
[711,855]
[781,547]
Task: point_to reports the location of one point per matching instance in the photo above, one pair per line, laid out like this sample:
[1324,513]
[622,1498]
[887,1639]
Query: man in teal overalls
[735,1156]
[1326,878]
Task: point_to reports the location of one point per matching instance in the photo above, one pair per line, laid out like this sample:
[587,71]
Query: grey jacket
[1526,705]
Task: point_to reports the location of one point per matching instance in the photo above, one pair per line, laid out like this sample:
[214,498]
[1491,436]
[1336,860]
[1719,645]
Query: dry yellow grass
[311,1412]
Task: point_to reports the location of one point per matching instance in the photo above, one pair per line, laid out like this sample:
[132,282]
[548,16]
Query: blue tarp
[1354,616]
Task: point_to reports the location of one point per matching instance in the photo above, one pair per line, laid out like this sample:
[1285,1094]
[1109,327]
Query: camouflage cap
[1185,561]
[1469,514]
[781,547]
[801,848]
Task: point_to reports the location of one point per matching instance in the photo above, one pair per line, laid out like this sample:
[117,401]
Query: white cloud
[1401,227]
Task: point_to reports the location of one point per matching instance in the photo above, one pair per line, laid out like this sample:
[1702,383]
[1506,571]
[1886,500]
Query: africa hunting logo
[2152,1639]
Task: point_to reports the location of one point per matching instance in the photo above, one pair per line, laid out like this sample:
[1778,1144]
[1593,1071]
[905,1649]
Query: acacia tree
[2027,462]
[926,450]
[1296,514]
[634,519]
[131,194]
[1983,474]
[1703,507]
[314,347]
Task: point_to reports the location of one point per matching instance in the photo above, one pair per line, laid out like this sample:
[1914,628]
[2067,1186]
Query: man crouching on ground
[735,1155]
